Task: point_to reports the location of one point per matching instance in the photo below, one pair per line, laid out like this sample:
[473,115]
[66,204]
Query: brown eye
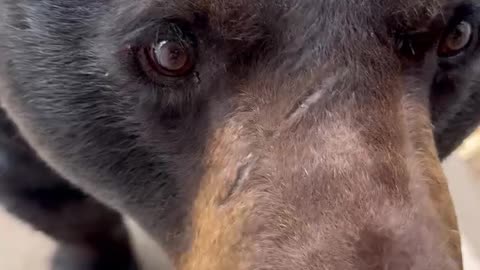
[170,58]
[456,40]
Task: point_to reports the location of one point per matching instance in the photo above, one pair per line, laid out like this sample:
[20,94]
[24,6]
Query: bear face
[254,135]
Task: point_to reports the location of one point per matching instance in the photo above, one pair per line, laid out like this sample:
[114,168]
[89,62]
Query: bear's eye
[168,58]
[456,40]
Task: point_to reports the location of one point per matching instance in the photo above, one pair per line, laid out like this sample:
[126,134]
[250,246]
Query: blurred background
[21,248]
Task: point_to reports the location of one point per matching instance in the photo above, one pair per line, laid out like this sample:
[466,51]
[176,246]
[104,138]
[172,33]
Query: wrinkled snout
[313,174]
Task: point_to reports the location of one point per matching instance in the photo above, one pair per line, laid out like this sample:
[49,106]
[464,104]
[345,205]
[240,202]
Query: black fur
[76,95]
[37,195]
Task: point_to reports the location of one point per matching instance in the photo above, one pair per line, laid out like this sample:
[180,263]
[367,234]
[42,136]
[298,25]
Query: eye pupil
[167,58]
[456,40]
[171,56]
[460,36]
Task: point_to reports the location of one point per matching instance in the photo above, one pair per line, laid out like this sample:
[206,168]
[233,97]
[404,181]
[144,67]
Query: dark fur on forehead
[228,20]
[249,21]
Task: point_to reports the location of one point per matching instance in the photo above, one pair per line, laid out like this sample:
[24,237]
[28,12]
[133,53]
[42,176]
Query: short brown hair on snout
[328,165]
[256,135]
[306,188]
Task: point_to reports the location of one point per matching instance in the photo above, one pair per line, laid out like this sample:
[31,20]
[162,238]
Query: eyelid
[416,43]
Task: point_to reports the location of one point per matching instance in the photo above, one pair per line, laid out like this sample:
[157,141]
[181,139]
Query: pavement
[22,248]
